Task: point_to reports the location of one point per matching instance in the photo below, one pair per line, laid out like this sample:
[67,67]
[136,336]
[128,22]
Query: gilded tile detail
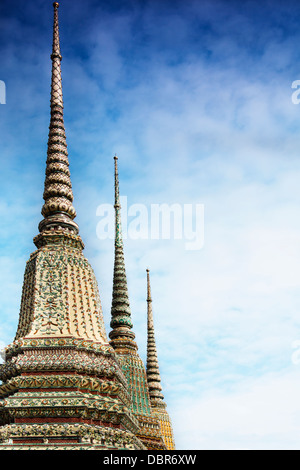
[53,437]
[60,296]
[64,387]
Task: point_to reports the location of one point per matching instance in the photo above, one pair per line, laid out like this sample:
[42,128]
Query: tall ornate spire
[158,404]
[57,210]
[152,368]
[60,292]
[122,340]
[121,324]
[61,385]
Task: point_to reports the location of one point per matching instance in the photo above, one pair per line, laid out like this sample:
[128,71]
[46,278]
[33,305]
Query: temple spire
[57,210]
[152,368]
[121,324]
[61,384]
[118,227]
[158,404]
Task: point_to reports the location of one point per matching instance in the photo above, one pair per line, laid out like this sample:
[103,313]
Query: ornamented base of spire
[62,382]
[150,432]
[135,373]
[56,437]
[60,293]
[163,418]
[63,391]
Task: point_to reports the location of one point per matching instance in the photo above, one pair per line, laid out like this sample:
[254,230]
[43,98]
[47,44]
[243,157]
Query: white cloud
[261,413]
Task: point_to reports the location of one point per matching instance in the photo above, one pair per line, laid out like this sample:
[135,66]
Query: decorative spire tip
[56,5]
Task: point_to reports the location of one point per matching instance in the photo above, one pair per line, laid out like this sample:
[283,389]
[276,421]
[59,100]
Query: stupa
[122,340]
[64,384]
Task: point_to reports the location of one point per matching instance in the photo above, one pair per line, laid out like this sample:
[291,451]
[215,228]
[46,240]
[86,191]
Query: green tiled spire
[122,340]
[121,324]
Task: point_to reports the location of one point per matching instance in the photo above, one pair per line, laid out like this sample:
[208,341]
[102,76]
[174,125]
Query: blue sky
[196,100]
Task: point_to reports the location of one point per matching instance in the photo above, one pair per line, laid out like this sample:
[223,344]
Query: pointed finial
[121,324]
[118,228]
[57,210]
[148,286]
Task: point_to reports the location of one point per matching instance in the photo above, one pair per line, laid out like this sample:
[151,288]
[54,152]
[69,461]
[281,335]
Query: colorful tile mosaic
[64,386]
[122,339]
[153,377]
